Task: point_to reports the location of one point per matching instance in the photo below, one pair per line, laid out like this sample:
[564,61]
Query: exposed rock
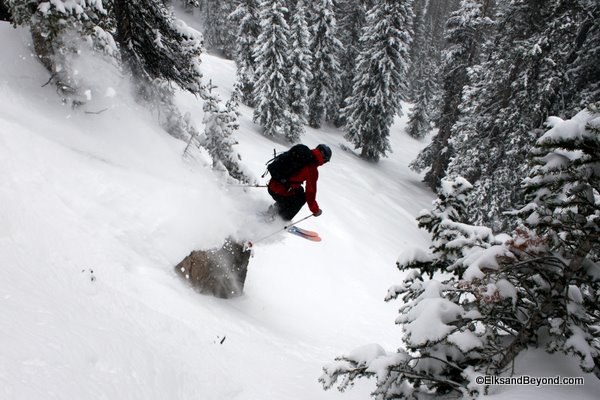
[219,272]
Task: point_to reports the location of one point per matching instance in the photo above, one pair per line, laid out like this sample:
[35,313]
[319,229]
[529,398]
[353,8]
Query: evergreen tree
[294,127]
[351,19]
[246,17]
[563,188]
[583,72]
[465,29]
[420,117]
[380,82]
[220,122]
[272,69]
[428,40]
[155,45]
[300,59]
[160,50]
[540,288]
[451,232]
[436,15]
[416,53]
[219,28]
[325,87]
[523,79]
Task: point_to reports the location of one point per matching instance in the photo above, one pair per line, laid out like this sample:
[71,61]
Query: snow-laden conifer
[499,295]
[219,28]
[300,60]
[271,53]
[563,188]
[452,234]
[522,80]
[351,16]
[419,40]
[246,17]
[156,45]
[465,30]
[325,86]
[220,122]
[380,81]
[160,50]
[421,115]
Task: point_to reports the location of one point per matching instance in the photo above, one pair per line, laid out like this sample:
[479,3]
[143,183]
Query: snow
[413,254]
[465,340]
[97,205]
[571,128]
[426,320]
[481,259]
[364,355]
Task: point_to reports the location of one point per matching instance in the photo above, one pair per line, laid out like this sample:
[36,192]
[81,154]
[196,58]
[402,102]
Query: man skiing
[288,172]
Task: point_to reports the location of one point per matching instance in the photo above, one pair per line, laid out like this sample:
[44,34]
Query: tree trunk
[4,13]
[43,48]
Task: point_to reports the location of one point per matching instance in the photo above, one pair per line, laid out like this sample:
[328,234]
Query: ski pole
[257,186]
[251,243]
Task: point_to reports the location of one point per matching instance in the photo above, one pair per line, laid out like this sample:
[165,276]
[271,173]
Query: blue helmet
[325,151]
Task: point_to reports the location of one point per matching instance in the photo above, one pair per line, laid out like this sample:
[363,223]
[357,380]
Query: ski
[310,235]
[305,231]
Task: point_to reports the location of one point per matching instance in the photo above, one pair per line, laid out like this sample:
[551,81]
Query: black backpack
[289,163]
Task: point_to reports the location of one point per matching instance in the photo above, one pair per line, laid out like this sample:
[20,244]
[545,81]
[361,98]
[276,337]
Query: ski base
[303,233]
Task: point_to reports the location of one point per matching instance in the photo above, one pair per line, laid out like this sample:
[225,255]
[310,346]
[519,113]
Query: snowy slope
[97,208]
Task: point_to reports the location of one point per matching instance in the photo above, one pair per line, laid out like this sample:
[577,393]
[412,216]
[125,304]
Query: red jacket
[308,174]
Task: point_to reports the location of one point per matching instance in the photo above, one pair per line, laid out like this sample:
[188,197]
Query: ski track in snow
[96,209]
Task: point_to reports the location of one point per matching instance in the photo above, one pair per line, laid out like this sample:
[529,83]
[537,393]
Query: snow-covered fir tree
[465,29]
[351,17]
[452,235]
[583,72]
[380,81]
[501,295]
[428,39]
[300,75]
[563,188]
[272,86]
[421,115]
[156,45]
[522,80]
[436,15]
[160,50]
[60,30]
[246,17]
[324,88]
[418,41]
[220,122]
[219,29]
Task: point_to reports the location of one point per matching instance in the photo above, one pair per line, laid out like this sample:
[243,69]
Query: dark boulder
[218,272]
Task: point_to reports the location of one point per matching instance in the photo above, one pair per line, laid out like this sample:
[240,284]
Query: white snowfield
[96,209]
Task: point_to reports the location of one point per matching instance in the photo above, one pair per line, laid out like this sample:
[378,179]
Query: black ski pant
[288,206]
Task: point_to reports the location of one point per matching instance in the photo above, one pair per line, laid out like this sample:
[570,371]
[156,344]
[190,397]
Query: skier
[300,165]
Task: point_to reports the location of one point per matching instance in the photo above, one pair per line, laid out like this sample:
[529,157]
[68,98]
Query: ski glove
[319,212]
